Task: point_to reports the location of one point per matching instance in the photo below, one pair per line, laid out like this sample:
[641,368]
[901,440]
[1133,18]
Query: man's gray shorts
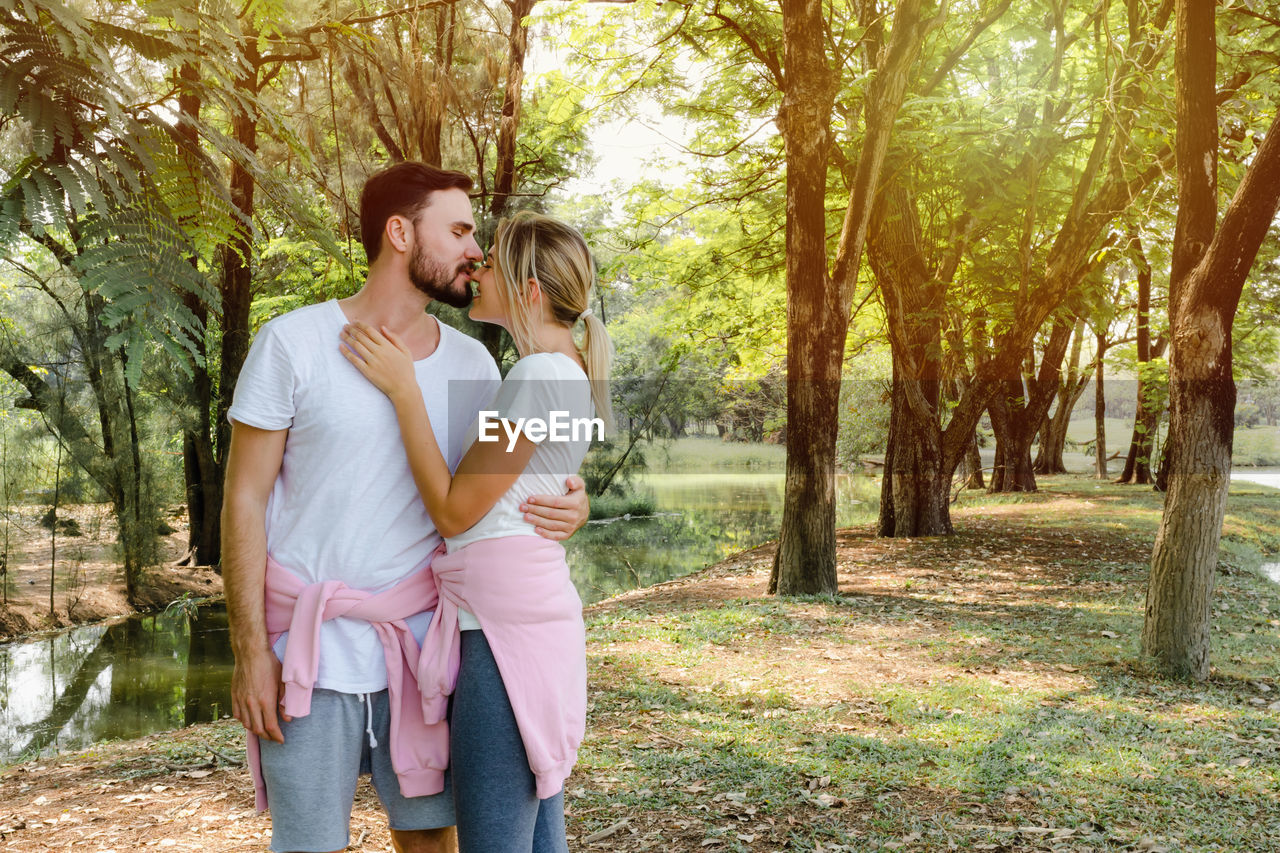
[311,777]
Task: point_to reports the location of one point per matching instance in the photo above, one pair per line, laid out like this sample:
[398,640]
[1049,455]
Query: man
[318,480]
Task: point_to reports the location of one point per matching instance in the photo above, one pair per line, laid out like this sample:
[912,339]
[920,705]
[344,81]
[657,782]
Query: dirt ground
[88,581]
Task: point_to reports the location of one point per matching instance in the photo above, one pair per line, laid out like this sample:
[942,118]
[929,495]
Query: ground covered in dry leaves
[982,692]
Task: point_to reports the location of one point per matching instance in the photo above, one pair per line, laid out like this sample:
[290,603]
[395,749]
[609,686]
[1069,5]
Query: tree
[1097,181]
[818,301]
[1211,262]
[1137,463]
[104,198]
[1053,431]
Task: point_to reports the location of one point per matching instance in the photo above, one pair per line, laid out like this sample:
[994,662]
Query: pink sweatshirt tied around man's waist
[419,750]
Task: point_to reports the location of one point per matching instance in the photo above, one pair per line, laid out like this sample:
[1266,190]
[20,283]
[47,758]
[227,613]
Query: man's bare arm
[557,517]
[252,466]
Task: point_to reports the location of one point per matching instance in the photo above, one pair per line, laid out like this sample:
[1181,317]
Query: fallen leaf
[602,834]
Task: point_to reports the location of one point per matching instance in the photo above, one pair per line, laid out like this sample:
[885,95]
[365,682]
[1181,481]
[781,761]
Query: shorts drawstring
[368,719]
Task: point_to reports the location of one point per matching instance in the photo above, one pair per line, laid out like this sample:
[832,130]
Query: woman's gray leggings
[494,797]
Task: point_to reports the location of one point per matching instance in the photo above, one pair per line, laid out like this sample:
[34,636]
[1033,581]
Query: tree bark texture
[1018,408]
[816,324]
[916,491]
[236,287]
[201,473]
[1203,303]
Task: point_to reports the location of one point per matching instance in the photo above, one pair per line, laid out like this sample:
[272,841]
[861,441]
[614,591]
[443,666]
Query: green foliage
[864,410]
[109,188]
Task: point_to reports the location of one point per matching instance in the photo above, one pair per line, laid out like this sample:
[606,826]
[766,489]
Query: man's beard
[437,280]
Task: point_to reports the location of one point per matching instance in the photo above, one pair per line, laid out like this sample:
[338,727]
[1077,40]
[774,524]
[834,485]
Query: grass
[705,454]
[983,692]
[640,502]
[1251,447]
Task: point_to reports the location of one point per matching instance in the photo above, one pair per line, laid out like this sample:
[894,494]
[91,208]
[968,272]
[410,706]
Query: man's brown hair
[401,190]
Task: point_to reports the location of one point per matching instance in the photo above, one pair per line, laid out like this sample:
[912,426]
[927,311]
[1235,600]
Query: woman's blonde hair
[530,246]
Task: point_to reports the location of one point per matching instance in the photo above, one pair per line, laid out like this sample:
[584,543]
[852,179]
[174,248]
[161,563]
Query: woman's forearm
[426,461]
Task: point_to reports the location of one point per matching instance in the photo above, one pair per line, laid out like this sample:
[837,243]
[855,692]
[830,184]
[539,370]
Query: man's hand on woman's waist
[557,517]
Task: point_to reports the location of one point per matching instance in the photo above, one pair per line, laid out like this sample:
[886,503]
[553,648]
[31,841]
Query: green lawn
[1259,446]
[981,692]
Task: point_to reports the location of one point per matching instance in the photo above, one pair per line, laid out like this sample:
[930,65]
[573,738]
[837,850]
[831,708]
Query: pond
[153,673]
[106,682]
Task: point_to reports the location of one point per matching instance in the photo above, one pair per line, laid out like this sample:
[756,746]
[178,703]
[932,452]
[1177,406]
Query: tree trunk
[805,559]
[1013,470]
[202,476]
[504,180]
[1137,463]
[971,466]
[1100,413]
[1202,307]
[1053,437]
[237,272]
[818,304]
[1017,411]
[1053,434]
[915,494]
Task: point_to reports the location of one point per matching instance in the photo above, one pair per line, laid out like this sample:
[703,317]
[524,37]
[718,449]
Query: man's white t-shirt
[344,506]
[537,386]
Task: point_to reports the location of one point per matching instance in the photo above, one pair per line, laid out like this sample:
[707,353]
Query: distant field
[709,453]
[1259,446]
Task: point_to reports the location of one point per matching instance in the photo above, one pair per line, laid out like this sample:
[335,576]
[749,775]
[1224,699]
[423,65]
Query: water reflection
[102,682]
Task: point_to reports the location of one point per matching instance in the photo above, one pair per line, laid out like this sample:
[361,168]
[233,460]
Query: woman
[507,640]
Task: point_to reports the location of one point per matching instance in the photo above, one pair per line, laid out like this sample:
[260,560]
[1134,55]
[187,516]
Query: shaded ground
[88,581]
[982,692]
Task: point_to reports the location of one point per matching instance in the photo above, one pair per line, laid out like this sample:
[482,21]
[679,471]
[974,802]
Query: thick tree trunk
[1018,408]
[1203,303]
[915,494]
[1185,557]
[1053,438]
[1013,470]
[805,560]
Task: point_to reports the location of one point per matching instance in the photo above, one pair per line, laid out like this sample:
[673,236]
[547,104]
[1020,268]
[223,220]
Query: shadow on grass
[1111,774]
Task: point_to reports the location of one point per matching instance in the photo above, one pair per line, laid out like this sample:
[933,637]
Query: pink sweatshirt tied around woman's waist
[419,750]
[519,590]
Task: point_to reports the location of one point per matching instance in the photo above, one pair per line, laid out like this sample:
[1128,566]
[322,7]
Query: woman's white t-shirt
[551,388]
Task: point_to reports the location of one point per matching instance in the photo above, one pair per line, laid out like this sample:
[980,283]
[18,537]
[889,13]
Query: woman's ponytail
[597,354]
